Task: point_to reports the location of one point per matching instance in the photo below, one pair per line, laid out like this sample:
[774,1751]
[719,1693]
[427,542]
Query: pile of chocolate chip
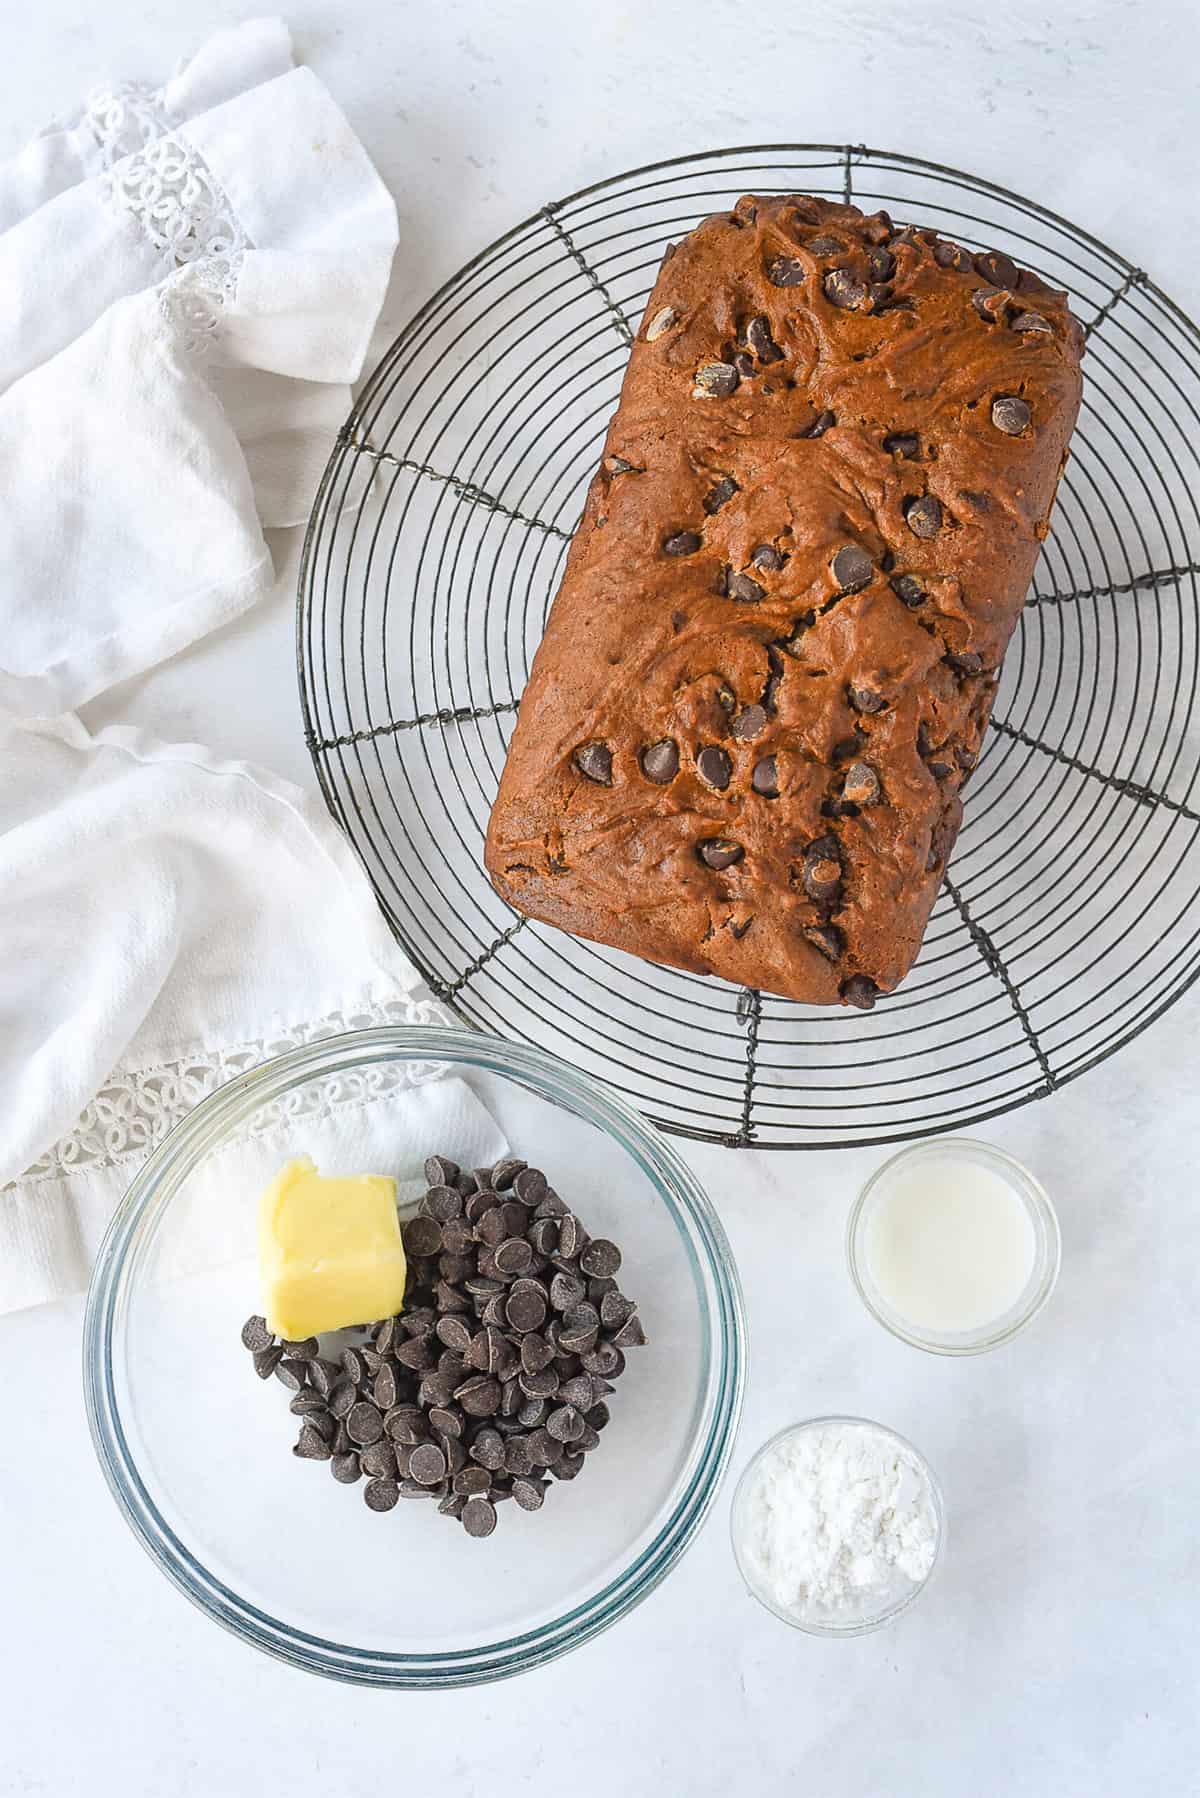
[495,1373]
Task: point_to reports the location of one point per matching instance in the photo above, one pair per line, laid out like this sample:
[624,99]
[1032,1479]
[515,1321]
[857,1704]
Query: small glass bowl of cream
[953,1246]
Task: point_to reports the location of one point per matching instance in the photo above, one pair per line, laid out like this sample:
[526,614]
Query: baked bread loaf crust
[768,669]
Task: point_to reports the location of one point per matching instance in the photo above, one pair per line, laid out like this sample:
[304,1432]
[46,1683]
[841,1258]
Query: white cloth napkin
[188,281]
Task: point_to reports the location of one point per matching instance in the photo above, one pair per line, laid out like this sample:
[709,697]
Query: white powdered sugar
[836,1523]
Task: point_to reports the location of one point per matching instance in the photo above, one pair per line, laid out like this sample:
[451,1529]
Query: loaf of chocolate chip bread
[769,667]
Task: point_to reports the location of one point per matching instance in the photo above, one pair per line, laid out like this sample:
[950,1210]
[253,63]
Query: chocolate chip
[364,1423]
[441,1171]
[822,872]
[580,1328]
[566,1290]
[384,1391]
[405,1423]
[595,761]
[530,1186]
[505,1172]
[529,1494]
[765,779]
[907,588]
[454,1333]
[923,515]
[526,1307]
[719,852]
[746,366]
[990,303]
[312,1445]
[662,321]
[307,1349]
[825,938]
[820,424]
[514,1256]
[853,568]
[903,443]
[565,1424]
[759,339]
[479,1517]
[614,1309]
[785,271]
[749,723]
[342,1399]
[860,990]
[1010,416]
[255,1335]
[1032,321]
[865,699]
[422,1236]
[825,246]
[381,1495]
[952,255]
[544,1449]
[720,495]
[601,1258]
[444,1204]
[881,265]
[766,557]
[518,1460]
[843,289]
[714,766]
[743,587]
[966,662]
[861,784]
[630,1335]
[715,381]
[447,1420]
[267,1360]
[428,1464]
[379,1461]
[997,268]
[683,543]
[292,1374]
[345,1468]
[308,1403]
[479,1396]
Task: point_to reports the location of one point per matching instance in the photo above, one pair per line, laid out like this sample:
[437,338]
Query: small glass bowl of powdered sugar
[837,1525]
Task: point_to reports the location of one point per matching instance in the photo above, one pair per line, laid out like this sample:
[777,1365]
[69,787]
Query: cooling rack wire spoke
[994,962]
[1135,278]
[1142,583]
[465,490]
[620,322]
[1128,788]
[749,1013]
[454,987]
[510,374]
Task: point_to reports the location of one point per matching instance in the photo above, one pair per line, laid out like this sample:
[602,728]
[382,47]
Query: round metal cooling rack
[1068,921]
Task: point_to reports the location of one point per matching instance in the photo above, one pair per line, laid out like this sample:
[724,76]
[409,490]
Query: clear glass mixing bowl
[197,1453]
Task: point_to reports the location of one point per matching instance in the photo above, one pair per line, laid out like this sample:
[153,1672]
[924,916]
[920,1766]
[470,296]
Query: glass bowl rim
[868,1625]
[548,1078]
[1043,1215]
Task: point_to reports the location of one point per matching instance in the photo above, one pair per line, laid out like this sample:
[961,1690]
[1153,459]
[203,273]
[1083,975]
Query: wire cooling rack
[1068,921]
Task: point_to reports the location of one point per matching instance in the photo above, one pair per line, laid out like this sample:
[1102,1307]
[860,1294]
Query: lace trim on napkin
[133,1112]
[124,118]
[173,195]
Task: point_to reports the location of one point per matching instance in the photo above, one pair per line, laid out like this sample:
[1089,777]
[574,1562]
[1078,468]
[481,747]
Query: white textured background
[1058,1654]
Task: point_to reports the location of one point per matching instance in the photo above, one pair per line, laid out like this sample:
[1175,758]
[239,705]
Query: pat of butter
[329,1250]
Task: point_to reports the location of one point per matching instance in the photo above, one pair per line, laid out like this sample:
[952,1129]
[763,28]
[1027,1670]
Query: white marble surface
[1058,1652]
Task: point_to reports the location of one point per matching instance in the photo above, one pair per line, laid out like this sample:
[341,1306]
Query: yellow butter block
[329,1250]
